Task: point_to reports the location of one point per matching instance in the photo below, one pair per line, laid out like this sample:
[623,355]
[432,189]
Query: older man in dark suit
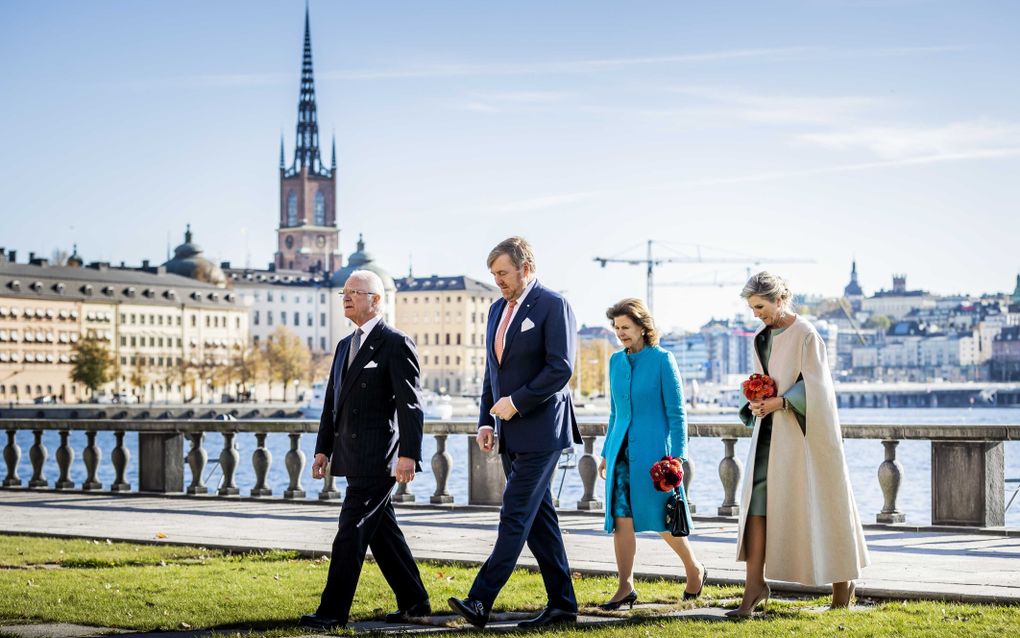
[526,409]
[370,432]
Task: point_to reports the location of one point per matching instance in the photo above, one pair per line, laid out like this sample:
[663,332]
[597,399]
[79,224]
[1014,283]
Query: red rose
[758,387]
[667,474]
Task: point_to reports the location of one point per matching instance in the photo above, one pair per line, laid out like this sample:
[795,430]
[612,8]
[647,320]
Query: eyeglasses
[354,293]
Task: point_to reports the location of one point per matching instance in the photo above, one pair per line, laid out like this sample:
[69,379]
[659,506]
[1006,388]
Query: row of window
[162,362]
[477,318]
[14,390]
[152,320]
[449,299]
[310,320]
[34,357]
[320,209]
[37,313]
[476,339]
[38,336]
[297,297]
[308,340]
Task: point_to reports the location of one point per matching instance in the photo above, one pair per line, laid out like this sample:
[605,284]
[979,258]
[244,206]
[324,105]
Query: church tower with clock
[308,236]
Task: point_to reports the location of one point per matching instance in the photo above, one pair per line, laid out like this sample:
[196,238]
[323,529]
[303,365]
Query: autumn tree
[287,357]
[94,365]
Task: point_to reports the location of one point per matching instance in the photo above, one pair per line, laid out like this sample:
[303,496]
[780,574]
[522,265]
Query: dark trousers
[367,521]
[528,516]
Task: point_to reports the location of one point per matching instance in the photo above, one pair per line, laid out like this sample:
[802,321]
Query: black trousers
[367,521]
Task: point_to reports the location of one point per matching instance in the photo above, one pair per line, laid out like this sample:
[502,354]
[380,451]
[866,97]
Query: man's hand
[319,466]
[504,409]
[405,469]
[485,439]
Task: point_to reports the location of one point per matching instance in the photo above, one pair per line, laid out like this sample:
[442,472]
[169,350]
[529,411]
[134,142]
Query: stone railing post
[890,474]
[442,463]
[588,468]
[120,457]
[161,462]
[688,477]
[229,459]
[12,454]
[329,491]
[37,455]
[65,456]
[968,483]
[730,471]
[294,461]
[402,495]
[261,459]
[92,456]
[197,460]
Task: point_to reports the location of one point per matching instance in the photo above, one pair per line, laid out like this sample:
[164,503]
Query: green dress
[797,400]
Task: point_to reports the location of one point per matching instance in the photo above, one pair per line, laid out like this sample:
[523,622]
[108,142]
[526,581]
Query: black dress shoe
[471,609]
[549,617]
[405,615]
[315,621]
[697,594]
[613,605]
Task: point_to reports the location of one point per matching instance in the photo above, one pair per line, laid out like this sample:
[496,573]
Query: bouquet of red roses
[759,387]
[667,474]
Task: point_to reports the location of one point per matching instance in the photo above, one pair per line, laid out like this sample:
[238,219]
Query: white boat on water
[436,407]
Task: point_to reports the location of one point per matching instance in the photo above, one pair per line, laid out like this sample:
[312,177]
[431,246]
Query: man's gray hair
[373,283]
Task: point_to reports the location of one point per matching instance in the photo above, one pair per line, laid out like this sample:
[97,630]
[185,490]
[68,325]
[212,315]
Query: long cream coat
[813,529]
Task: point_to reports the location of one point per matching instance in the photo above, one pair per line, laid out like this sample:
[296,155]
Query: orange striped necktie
[501,333]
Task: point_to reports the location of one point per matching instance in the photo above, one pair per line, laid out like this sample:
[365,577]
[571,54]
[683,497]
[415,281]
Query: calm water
[863,458]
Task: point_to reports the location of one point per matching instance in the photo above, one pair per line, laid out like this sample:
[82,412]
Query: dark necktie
[355,346]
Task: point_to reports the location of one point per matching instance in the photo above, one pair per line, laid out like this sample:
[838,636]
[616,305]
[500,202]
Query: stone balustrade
[967,470]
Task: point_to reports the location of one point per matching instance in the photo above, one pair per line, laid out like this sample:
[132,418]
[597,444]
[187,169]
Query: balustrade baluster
[442,463]
[329,491]
[120,456]
[197,459]
[261,459]
[730,471]
[92,455]
[12,455]
[402,495]
[37,455]
[890,474]
[295,463]
[588,468]
[229,458]
[65,456]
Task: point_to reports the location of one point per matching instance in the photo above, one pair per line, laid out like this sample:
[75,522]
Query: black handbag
[676,514]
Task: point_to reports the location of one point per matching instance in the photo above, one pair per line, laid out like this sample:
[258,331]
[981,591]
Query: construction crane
[650,262]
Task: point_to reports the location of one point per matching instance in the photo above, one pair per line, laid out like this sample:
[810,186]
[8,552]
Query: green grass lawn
[146,587]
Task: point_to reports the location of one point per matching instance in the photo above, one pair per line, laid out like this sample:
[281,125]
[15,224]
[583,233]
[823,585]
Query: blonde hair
[769,286]
[636,311]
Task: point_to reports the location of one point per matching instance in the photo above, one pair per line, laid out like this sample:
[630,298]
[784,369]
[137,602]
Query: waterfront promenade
[907,562]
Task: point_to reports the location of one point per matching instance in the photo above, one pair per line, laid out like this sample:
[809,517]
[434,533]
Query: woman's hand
[602,469]
[766,407]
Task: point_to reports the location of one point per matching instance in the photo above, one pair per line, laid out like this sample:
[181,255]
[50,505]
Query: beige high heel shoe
[762,599]
[851,598]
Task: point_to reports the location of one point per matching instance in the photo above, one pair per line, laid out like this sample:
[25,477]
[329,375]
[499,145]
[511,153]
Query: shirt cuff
[511,400]
[485,427]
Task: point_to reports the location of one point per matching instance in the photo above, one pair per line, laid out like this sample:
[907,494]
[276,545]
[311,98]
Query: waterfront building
[595,346]
[302,302]
[168,333]
[853,292]
[1005,360]
[898,302]
[446,316]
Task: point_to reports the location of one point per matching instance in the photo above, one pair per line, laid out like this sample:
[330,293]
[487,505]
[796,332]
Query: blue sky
[800,131]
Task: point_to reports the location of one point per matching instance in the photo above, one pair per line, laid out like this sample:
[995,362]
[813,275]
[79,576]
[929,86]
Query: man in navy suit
[526,411]
[370,432]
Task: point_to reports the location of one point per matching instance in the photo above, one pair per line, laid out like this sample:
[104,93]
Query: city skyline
[583,127]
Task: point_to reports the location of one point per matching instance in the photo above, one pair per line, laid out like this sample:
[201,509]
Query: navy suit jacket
[535,373]
[372,413]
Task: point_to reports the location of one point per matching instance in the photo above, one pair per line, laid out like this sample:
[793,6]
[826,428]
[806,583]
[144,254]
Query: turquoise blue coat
[647,407]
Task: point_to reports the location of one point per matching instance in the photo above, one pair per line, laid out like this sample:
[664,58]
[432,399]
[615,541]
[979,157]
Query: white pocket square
[527,324]
[371,364]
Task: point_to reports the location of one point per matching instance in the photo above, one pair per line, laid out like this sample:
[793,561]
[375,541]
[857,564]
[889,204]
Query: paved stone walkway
[906,563]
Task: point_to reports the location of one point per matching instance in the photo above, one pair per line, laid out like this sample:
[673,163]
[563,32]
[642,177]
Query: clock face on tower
[320,241]
[289,241]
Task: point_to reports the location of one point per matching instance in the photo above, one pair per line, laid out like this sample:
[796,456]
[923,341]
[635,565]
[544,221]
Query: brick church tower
[308,237]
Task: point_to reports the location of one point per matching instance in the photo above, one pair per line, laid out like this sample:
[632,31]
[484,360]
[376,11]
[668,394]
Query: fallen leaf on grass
[160,535]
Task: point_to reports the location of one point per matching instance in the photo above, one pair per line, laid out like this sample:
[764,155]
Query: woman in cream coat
[798,518]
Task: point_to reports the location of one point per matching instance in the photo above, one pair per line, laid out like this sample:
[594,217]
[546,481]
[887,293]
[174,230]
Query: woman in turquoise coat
[646,423]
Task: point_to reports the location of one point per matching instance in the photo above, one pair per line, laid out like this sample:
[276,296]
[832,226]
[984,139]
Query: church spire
[283,162]
[333,162]
[306,151]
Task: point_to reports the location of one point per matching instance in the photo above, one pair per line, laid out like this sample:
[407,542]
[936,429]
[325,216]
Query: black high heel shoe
[613,605]
[697,594]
